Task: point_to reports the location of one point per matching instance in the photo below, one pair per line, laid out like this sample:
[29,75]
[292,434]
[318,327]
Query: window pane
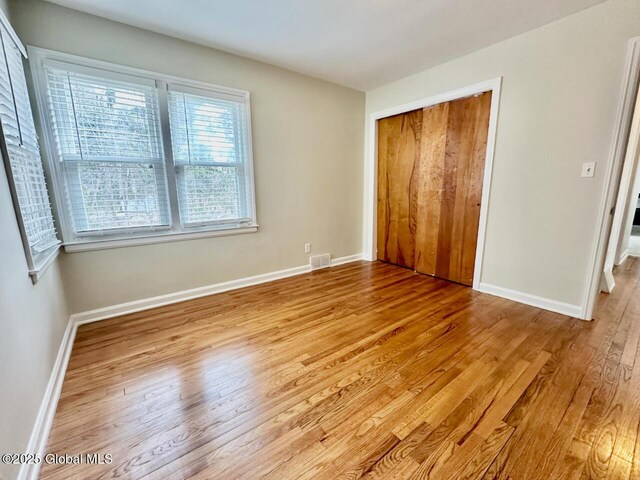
[209,194]
[31,190]
[209,142]
[100,119]
[115,195]
[206,130]
[109,143]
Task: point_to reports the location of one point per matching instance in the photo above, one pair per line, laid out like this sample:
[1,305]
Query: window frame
[73,242]
[243,145]
[37,263]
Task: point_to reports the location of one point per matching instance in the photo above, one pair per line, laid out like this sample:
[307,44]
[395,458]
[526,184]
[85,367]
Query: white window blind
[109,146]
[210,152]
[22,156]
[140,157]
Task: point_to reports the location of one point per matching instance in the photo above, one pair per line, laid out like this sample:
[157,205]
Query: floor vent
[320,261]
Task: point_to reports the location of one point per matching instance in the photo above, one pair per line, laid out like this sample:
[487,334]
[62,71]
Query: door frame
[371,165]
[623,200]
[613,173]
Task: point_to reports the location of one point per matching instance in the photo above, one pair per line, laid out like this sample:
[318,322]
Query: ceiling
[358,43]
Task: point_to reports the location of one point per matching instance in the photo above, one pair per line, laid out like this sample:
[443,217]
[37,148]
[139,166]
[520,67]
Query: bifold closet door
[431,191]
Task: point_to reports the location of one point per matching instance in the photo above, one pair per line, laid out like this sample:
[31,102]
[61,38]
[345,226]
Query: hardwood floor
[361,371]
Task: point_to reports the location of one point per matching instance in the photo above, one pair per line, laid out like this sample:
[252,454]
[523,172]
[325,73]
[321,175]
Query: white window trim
[37,272]
[36,58]
[156,238]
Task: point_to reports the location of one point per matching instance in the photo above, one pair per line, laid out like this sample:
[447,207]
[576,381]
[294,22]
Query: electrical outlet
[307,248]
[588,169]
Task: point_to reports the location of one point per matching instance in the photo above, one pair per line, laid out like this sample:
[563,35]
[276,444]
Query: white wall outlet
[307,248]
[588,169]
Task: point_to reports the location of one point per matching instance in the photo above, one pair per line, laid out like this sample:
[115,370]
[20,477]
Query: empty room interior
[319,239]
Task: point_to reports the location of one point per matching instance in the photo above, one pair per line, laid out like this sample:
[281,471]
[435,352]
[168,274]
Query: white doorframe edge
[627,184]
[614,168]
[371,164]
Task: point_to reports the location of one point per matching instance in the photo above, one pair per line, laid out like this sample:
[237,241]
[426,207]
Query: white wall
[32,322]
[308,163]
[561,85]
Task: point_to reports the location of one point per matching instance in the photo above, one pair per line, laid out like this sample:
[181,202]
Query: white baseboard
[168,299]
[47,411]
[348,259]
[175,297]
[533,300]
[623,256]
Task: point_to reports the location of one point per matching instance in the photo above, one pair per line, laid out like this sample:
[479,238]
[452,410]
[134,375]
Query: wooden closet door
[398,162]
[453,149]
[430,174]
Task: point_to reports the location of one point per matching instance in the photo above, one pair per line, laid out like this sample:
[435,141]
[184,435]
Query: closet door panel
[387,128]
[398,162]
[473,197]
[451,189]
[430,187]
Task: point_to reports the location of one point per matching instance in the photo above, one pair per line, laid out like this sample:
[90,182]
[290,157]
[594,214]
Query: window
[19,144]
[109,152]
[141,156]
[208,134]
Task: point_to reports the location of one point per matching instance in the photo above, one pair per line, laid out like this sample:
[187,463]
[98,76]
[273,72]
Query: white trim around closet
[371,164]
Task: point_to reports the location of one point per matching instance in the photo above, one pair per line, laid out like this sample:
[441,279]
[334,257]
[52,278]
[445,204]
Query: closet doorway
[431,175]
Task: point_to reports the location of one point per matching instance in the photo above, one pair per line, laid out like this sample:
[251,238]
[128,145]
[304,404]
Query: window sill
[36,273]
[106,244]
